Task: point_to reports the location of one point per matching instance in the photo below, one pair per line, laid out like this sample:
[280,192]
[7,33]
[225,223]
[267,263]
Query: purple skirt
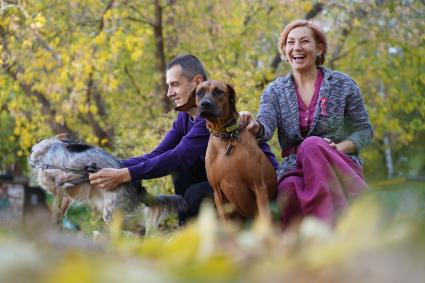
[322,185]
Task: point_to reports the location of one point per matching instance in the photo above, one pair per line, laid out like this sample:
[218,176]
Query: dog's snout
[206,103]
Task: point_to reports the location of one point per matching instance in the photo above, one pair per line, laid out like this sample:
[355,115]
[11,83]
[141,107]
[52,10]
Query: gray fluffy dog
[61,166]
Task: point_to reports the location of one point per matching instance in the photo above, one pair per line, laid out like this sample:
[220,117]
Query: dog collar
[231,132]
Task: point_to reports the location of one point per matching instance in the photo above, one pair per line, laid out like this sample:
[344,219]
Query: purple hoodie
[184,144]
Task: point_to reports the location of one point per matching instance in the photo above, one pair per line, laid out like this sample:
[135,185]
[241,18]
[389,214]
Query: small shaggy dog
[61,166]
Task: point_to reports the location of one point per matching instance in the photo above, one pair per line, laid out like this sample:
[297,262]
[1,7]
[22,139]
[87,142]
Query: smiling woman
[308,35]
[322,126]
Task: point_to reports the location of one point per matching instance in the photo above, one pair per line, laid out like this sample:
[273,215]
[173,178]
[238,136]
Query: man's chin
[180,103]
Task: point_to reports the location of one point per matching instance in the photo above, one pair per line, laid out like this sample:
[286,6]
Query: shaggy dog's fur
[61,166]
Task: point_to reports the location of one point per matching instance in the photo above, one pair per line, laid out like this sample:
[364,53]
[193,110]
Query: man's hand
[109,178]
[251,124]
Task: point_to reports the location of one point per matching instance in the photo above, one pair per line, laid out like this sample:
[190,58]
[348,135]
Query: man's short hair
[191,66]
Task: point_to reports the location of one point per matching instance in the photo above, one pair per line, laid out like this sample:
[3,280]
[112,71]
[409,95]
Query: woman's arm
[357,121]
[267,115]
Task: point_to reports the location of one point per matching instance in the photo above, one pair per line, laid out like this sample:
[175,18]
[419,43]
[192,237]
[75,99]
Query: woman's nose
[297,45]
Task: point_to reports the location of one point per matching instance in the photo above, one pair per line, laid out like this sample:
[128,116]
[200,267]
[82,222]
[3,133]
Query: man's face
[179,87]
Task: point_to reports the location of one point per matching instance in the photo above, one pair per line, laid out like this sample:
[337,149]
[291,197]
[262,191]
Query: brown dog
[237,169]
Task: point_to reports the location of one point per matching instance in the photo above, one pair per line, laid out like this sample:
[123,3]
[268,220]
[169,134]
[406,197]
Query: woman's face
[301,49]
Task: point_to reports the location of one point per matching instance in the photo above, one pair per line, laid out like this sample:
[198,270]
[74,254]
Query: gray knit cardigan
[340,114]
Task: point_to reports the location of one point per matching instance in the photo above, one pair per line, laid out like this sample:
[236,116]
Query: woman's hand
[109,178]
[251,124]
[345,146]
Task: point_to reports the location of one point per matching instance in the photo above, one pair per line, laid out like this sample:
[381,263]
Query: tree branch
[142,21]
[38,37]
[345,32]
[97,129]
[46,107]
[102,18]
[133,83]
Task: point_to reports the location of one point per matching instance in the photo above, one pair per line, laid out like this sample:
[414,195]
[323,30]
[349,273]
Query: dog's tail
[159,207]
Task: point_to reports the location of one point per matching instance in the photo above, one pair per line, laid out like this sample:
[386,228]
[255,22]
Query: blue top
[184,144]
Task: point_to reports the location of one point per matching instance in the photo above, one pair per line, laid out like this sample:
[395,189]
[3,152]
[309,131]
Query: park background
[97,69]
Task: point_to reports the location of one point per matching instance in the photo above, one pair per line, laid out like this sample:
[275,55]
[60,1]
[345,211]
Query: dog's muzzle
[207,108]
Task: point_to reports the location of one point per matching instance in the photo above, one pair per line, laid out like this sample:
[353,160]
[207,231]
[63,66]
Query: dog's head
[38,151]
[216,100]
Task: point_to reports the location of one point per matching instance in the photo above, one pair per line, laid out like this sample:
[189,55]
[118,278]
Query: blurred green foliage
[389,246]
[95,68]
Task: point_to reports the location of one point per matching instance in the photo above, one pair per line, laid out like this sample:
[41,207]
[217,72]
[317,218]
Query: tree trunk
[160,55]
[389,164]
[388,156]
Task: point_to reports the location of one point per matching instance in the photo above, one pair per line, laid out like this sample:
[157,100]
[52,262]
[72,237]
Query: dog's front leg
[262,199]
[60,206]
[219,203]
[109,205]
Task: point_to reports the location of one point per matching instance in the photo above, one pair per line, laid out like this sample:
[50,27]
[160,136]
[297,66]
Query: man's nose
[170,92]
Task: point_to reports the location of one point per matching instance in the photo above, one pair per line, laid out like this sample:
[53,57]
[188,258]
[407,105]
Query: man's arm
[171,139]
[191,147]
[110,178]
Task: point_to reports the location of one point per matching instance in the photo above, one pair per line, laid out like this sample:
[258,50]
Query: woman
[322,125]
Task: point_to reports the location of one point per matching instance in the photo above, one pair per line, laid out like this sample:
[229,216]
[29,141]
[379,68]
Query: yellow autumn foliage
[208,250]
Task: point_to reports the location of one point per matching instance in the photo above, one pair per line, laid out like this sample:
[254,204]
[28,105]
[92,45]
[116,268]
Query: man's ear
[198,79]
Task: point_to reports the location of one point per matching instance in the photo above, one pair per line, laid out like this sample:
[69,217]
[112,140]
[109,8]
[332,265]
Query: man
[182,151]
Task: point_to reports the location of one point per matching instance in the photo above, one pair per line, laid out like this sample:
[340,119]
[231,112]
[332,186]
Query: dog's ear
[232,97]
[78,147]
[191,102]
[66,137]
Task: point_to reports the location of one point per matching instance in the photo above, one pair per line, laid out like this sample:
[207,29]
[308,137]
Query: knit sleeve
[357,121]
[267,114]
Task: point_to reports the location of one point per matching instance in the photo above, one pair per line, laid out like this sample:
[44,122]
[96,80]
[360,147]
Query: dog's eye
[200,93]
[218,92]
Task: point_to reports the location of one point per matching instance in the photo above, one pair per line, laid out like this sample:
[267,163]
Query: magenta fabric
[322,185]
[306,113]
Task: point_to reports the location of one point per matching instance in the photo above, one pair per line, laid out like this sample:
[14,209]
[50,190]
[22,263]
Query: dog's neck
[228,125]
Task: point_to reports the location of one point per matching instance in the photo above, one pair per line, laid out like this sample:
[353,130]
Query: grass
[379,239]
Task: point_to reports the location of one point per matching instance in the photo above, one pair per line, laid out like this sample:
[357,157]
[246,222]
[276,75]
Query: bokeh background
[97,69]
